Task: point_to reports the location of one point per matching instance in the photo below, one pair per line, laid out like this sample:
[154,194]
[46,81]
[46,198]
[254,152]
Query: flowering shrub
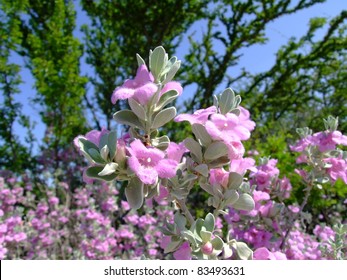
[246,213]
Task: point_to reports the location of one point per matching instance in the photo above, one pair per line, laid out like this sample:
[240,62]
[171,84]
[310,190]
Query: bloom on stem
[141,89]
[338,168]
[149,163]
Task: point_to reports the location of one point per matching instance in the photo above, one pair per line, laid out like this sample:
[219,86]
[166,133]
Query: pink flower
[149,163]
[244,119]
[140,89]
[327,141]
[338,169]
[264,254]
[176,151]
[242,165]
[226,128]
[199,116]
[219,176]
[184,252]
[235,150]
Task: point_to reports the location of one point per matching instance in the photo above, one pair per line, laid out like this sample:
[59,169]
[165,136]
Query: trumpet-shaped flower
[199,116]
[226,127]
[149,163]
[141,89]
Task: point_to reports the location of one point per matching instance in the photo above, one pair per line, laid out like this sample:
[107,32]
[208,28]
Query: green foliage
[53,55]
[13,154]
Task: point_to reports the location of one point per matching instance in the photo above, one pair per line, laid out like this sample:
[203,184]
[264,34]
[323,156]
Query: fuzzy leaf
[164,117]
[112,143]
[234,181]
[205,235]
[195,148]
[138,109]
[226,100]
[157,61]
[201,134]
[140,60]
[243,251]
[172,72]
[245,202]
[202,169]
[215,150]
[93,172]
[134,193]
[95,155]
[165,99]
[127,117]
[209,222]
[108,169]
[217,243]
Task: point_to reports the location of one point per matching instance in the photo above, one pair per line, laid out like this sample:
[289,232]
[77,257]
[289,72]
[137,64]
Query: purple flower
[328,141]
[93,136]
[242,165]
[149,163]
[264,254]
[199,116]
[184,252]
[227,127]
[176,151]
[338,169]
[140,89]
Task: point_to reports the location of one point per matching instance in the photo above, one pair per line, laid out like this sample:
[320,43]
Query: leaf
[108,169]
[202,169]
[201,134]
[161,143]
[209,222]
[245,202]
[104,153]
[230,196]
[134,193]
[127,117]
[112,143]
[137,109]
[180,221]
[172,72]
[217,243]
[235,180]
[163,117]
[165,99]
[93,172]
[205,235]
[195,148]
[103,141]
[157,61]
[215,150]
[95,155]
[226,100]
[190,237]
[243,251]
[140,60]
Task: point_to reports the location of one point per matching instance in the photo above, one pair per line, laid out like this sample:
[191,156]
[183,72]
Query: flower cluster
[141,189]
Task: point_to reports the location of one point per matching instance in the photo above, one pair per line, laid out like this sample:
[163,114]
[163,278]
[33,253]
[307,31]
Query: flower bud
[207,248]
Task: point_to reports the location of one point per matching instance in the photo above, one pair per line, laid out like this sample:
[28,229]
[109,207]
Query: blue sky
[256,58]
